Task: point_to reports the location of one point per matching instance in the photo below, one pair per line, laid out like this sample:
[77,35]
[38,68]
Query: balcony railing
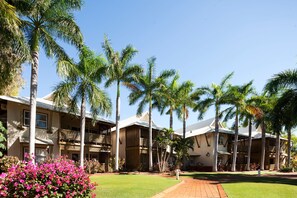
[92,138]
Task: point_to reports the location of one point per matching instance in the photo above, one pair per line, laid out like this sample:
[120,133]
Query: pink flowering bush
[57,178]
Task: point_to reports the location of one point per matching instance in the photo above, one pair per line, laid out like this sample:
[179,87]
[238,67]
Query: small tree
[163,142]
[181,147]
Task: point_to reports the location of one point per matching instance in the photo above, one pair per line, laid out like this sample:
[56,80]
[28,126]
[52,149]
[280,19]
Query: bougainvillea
[58,178]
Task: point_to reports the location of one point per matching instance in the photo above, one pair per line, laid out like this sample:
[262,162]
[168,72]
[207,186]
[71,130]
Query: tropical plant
[247,117]
[236,96]
[119,71]
[186,100]
[13,50]
[2,139]
[146,89]
[285,84]
[164,141]
[214,95]
[58,178]
[181,146]
[81,83]
[265,104]
[44,23]
[168,99]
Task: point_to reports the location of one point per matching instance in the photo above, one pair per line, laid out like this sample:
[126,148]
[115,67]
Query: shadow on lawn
[237,178]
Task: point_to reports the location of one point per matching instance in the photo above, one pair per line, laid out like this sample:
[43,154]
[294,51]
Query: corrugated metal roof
[205,126]
[49,105]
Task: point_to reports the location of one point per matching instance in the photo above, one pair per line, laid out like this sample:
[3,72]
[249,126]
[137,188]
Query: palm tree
[119,71]
[215,95]
[265,104]
[236,96]
[285,83]
[247,117]
[13,51]
[169,99]
[43,23]
[185,100]
[181,146]
[145,90]
[81,83]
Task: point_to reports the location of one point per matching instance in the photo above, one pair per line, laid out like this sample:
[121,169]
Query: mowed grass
[131,185]
[248,185]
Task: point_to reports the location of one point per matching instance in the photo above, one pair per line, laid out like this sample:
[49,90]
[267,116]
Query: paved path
[189,188]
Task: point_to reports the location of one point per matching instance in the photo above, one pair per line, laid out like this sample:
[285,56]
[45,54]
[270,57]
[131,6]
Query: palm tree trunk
[233,168]
[33,95]
[184,121]
[82,130]
[289,146]
[150,137]
[263,146]
[215,140]
[277,151]
[170,119]
[249,146]
[118,103]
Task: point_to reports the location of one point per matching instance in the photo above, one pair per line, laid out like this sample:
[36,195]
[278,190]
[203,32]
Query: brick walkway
[194,188]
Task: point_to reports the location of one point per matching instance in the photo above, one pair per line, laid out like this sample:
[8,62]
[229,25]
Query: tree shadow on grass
[237,178]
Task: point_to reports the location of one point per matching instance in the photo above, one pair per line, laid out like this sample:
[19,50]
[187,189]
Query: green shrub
[286,169]
[7,162]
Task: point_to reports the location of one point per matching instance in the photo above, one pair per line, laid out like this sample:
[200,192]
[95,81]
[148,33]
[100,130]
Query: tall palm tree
[265,104]
[247,117]
[186,100]
[44,23]
[215,95]
[119,71]
[81,83]
[286,80]
[145,90]
[236,96]
[169,98]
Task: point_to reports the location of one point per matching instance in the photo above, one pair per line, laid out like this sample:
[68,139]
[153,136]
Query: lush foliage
[130,186]
[59,178]
[2,139]
[7,162]
[93,166]
[181,147]
[164,142]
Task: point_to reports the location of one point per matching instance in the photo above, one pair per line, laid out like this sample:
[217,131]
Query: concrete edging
[161,194]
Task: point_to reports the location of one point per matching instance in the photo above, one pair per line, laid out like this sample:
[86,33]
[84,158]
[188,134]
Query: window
[40,154]
[41,120]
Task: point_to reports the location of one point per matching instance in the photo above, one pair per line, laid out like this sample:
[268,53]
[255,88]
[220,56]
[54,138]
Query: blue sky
[202,40]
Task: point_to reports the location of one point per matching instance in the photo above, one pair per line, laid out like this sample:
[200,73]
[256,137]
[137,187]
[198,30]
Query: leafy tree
[44,23]
[236,96]
[181,146]
[164,141]
[146,89]
[81,83]
[119,71]
[214,95]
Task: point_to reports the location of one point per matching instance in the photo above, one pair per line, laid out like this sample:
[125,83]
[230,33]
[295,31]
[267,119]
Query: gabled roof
[47,104]
[203,127]
[141,120]
[256,133]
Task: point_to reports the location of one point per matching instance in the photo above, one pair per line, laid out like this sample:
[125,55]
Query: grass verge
[130,185]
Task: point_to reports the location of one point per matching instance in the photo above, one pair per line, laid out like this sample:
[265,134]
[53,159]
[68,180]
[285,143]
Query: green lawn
[238,185]
[131,185]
